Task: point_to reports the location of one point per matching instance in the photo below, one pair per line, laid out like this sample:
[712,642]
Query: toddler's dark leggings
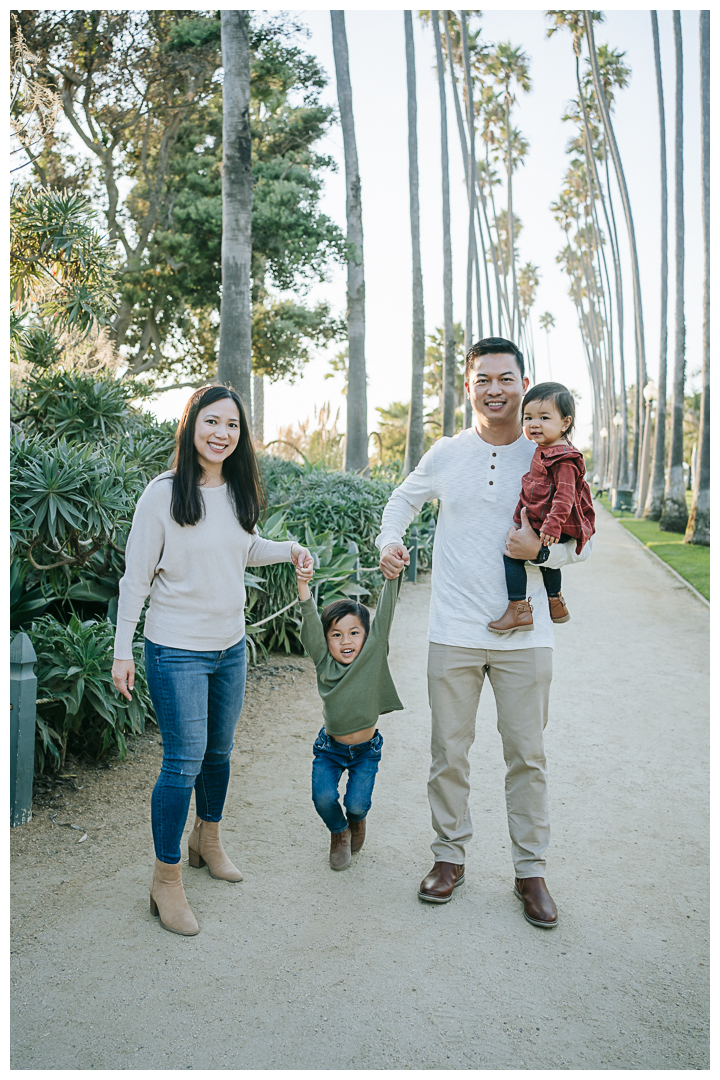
[516,576]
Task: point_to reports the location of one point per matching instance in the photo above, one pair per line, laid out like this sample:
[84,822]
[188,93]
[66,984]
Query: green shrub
[272,588]
[79,706]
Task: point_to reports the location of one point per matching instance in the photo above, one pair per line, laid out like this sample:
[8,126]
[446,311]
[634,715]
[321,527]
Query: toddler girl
[556,497]
[355,684]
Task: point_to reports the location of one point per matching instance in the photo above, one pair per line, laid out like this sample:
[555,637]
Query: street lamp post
[617,424]
[650,393]
[604,459]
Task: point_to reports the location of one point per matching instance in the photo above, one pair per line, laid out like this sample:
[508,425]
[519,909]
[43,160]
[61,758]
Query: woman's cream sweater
[194,574]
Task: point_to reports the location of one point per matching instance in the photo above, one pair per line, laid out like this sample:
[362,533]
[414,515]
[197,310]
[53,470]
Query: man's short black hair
[339,609]
[494,345]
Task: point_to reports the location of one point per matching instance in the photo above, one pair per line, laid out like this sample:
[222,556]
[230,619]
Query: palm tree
[698,529]
[414,444]
[510,64]
[653,506]
[356,440]
[637,295]
[235,346]
[258,409]
[467,337]
[547,323]
[448,402]
[674,516]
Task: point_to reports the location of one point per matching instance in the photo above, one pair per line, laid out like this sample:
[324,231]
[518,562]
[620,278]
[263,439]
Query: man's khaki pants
[520,679]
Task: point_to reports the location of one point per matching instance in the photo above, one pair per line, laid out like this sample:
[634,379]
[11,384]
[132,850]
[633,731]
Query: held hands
[523,542]
[547,539]
[392,559]
[123,676]
[301,557]
[304,573]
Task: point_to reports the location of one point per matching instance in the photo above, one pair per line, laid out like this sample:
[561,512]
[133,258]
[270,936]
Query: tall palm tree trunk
[698,529]
[674,516]
[356,440]
[414,443]
[653,506]
[515,318]
[470,186]
[637,295]
[258,411]
[448,402]
[624,457]
[470,105]
[235,346]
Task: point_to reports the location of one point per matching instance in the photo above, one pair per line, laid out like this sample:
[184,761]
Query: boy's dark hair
[560,396]
[339,609]
[493,345]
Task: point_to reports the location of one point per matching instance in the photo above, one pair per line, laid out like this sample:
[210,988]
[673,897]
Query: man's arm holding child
[402,507]
[524,543]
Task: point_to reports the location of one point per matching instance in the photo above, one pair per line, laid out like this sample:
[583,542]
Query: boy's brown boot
[558,609]
[357,835]
[340,853]
[517,617]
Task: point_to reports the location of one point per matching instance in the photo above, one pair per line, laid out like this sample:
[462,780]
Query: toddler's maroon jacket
[556,495]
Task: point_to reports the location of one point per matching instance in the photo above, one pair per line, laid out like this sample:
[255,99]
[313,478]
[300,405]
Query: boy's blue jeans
[330,760]
[198,698]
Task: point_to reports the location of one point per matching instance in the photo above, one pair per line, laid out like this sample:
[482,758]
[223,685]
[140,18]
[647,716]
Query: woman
[193,534]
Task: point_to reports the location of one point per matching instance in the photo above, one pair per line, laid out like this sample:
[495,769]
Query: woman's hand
[123,676]
[300,556]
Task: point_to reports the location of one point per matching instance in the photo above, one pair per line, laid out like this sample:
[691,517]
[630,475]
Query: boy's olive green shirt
[355,694]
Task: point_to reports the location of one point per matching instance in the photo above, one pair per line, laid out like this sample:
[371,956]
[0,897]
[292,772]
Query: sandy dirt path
[300,967]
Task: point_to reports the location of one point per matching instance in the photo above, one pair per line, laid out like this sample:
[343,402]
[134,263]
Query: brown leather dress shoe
[558,609]
[538,905]
[357,835]
[518,616]
[443,879]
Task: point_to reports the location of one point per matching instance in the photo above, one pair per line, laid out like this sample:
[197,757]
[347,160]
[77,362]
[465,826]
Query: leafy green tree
[141,91]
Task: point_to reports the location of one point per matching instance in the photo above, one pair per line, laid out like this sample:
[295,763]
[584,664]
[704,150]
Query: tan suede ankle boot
[167,899]
[518,616]
[205,849]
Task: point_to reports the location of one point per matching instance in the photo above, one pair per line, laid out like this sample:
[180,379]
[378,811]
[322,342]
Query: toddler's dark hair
[560,396]
[494,345]
[339,609]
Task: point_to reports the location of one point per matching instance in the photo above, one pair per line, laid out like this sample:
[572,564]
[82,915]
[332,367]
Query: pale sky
[377,70]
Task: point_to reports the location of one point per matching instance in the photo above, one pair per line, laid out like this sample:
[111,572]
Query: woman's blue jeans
[331,758]
[198,698]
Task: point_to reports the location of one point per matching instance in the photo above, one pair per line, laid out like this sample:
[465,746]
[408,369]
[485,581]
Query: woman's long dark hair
[240,470]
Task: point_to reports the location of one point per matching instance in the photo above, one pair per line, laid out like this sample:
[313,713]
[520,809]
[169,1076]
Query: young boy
[356,687]
[556,496]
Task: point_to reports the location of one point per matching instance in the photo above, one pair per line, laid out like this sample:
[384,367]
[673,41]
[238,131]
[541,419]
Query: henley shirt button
[490,482]
[492,466]
[494,455]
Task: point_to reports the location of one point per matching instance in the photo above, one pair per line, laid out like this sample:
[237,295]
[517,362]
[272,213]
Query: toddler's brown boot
[558,609]
[340,853]
[357,835]
[517,617]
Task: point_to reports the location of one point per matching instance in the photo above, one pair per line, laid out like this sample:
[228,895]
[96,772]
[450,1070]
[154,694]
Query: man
[476,477]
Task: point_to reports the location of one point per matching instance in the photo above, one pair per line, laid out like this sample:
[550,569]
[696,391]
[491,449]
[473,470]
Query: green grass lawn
[691,561]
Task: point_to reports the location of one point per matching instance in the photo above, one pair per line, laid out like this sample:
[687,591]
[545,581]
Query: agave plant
[78,702]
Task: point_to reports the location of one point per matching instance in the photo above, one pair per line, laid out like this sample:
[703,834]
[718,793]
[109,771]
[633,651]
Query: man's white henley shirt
[478,486]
